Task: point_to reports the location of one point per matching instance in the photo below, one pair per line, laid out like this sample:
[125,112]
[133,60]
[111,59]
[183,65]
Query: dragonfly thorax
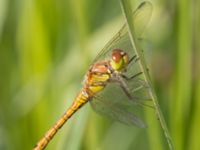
[119,59]
[102,72]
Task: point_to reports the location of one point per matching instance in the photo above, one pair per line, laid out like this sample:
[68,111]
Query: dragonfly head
[119,59]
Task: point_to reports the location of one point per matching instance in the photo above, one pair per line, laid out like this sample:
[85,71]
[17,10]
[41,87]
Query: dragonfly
[112,84]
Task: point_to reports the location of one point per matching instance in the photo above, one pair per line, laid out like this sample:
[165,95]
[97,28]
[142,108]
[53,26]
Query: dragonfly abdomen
[80,100]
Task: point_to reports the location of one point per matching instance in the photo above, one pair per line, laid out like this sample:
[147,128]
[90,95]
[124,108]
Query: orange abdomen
[80,100]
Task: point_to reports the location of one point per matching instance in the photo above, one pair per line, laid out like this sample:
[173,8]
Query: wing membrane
[116,112]
[112,101]
[141,17]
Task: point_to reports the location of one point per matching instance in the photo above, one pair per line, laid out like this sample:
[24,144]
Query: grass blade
[125,5]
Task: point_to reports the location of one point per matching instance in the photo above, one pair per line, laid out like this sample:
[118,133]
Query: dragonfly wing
[141,17]
[112,101]
[116,112]
[139,89]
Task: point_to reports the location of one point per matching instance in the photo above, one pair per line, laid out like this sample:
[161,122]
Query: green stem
[125,5]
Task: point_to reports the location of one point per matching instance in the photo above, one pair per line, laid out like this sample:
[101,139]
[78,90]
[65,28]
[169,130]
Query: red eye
[117,55]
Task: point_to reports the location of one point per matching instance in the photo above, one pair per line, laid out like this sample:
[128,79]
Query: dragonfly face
[119,59]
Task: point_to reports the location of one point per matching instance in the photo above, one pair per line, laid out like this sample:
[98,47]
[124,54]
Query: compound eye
[117,55]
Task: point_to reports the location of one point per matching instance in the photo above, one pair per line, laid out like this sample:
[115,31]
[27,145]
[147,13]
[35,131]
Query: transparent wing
[116,112]
[113,102]
[141,17]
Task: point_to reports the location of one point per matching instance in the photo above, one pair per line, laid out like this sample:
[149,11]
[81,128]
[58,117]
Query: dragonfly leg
[123,85]
[119,80]
[129,78]
[126,90]
[134,76]
[134,99]
[133,58]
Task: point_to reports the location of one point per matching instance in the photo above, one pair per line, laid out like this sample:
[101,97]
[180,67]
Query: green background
[46,46]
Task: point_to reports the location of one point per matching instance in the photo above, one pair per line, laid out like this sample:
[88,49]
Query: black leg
[137,74]
[119,80]
[133,58]
[134,99]
[126,91]
[129,78]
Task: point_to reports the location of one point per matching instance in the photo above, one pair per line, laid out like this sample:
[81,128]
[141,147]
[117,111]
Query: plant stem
[125,5]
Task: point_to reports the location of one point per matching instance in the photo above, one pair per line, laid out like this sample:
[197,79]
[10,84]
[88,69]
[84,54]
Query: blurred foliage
[46,47]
